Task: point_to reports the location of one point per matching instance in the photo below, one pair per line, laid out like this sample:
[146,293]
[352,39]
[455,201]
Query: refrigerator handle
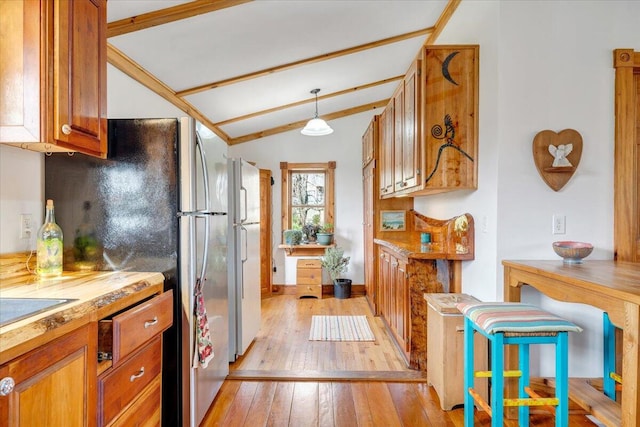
[205,182]
[246,209]
[245,255]
[205,172]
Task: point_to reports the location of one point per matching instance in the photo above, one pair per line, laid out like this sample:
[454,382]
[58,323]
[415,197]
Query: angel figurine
[560,154]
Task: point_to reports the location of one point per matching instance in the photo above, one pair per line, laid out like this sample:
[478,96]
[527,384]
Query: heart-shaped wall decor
[557,156]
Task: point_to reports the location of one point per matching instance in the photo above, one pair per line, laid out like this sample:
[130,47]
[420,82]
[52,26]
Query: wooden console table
[608,285]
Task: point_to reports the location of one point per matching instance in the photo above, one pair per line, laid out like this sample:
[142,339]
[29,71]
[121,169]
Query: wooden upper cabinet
[410,161]
[398,136]
[386,132]
[449,118]
[368,139]
[54,75]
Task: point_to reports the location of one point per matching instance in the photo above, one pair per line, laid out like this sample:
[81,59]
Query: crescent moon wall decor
[445,67]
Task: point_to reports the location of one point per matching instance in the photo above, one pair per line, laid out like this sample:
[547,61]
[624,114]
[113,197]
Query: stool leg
[469,370]
[562,379]
[497,379]
[608,330]
[523,365]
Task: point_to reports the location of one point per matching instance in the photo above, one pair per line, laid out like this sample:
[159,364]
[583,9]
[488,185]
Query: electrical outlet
[26,226]
[559,225]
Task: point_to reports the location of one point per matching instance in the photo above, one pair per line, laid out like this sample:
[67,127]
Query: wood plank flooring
[283,342]
[286,380]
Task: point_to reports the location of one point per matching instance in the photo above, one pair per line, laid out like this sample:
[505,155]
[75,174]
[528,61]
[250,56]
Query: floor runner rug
[340,328]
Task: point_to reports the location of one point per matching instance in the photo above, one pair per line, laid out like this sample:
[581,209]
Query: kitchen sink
[14,309]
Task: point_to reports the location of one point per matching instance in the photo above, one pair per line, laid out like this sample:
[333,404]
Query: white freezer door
[250,193]
[249,298]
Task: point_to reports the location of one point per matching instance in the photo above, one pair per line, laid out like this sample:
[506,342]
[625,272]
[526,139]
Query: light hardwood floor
[287,380]
[282,345]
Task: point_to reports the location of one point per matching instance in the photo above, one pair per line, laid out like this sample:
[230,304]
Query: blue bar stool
[609,377]
[504,323]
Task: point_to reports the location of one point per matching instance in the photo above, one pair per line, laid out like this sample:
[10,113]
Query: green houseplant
[336,264]
[325,235]
[292,237]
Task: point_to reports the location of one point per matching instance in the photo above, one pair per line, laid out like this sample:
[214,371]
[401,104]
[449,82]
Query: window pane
[304,215]
[307,189]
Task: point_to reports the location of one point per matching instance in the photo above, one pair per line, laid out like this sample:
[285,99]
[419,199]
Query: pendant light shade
[316,126]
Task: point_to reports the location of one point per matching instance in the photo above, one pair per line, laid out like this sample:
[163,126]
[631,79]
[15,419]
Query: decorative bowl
[572,252]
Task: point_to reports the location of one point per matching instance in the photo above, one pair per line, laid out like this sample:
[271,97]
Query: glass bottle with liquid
[49,246]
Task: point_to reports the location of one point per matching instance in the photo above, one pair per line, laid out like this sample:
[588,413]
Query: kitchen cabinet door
[54,75]
[368,191]
[449,118]
[411,132]
[55,385]
[386,150]
[368,140]
[80,76]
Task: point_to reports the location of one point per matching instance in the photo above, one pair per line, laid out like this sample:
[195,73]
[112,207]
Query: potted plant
[325,235]
[336,264]
[292,237]
[310,230]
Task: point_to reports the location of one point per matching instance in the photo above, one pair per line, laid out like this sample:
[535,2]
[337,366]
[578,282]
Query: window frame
[287,169]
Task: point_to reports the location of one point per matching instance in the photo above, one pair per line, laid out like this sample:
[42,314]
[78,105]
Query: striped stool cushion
[514,318]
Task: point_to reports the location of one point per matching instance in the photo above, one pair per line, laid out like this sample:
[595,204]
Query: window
[307,194]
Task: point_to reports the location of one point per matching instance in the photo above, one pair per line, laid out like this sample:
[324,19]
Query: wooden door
[266,268]
[55,385]
[80,76]
[626,199]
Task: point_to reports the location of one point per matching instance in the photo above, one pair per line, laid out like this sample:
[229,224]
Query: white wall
[21,191]
[343,146]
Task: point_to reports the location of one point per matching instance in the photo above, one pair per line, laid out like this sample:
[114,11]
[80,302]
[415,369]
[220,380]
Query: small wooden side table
[309,278]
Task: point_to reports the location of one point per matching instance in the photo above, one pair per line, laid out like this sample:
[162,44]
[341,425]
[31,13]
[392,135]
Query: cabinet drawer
[118,388]
[307,276]
[128,331]
[309,291]
[145,411]
[309,263]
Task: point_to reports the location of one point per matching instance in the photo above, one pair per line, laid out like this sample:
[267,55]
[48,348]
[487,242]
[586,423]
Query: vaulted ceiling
[246,68]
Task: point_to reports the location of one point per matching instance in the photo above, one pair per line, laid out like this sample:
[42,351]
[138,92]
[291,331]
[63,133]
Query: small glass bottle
[49,246]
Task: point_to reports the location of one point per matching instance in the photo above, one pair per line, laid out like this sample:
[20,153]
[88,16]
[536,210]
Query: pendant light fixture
[316,126]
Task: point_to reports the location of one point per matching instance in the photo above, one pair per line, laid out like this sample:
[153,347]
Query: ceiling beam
[312,60]
[300,124]
[139,74]
[442,21]
[170,14]
[310,100]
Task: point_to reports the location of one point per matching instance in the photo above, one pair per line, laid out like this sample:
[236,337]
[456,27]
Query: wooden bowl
[572,252]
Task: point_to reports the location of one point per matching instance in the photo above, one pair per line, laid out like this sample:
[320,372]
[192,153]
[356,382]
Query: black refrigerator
[158,203]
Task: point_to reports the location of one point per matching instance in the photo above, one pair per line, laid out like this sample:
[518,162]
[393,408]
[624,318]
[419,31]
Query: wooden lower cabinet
[394,298]
[129,391]
[403,281]
[123,390]
[55,385]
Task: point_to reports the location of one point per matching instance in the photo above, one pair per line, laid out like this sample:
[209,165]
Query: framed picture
[392,221]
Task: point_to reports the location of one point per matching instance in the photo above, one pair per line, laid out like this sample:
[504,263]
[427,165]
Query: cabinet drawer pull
[151,322]
[66,129]
[6,386]
[137,375]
